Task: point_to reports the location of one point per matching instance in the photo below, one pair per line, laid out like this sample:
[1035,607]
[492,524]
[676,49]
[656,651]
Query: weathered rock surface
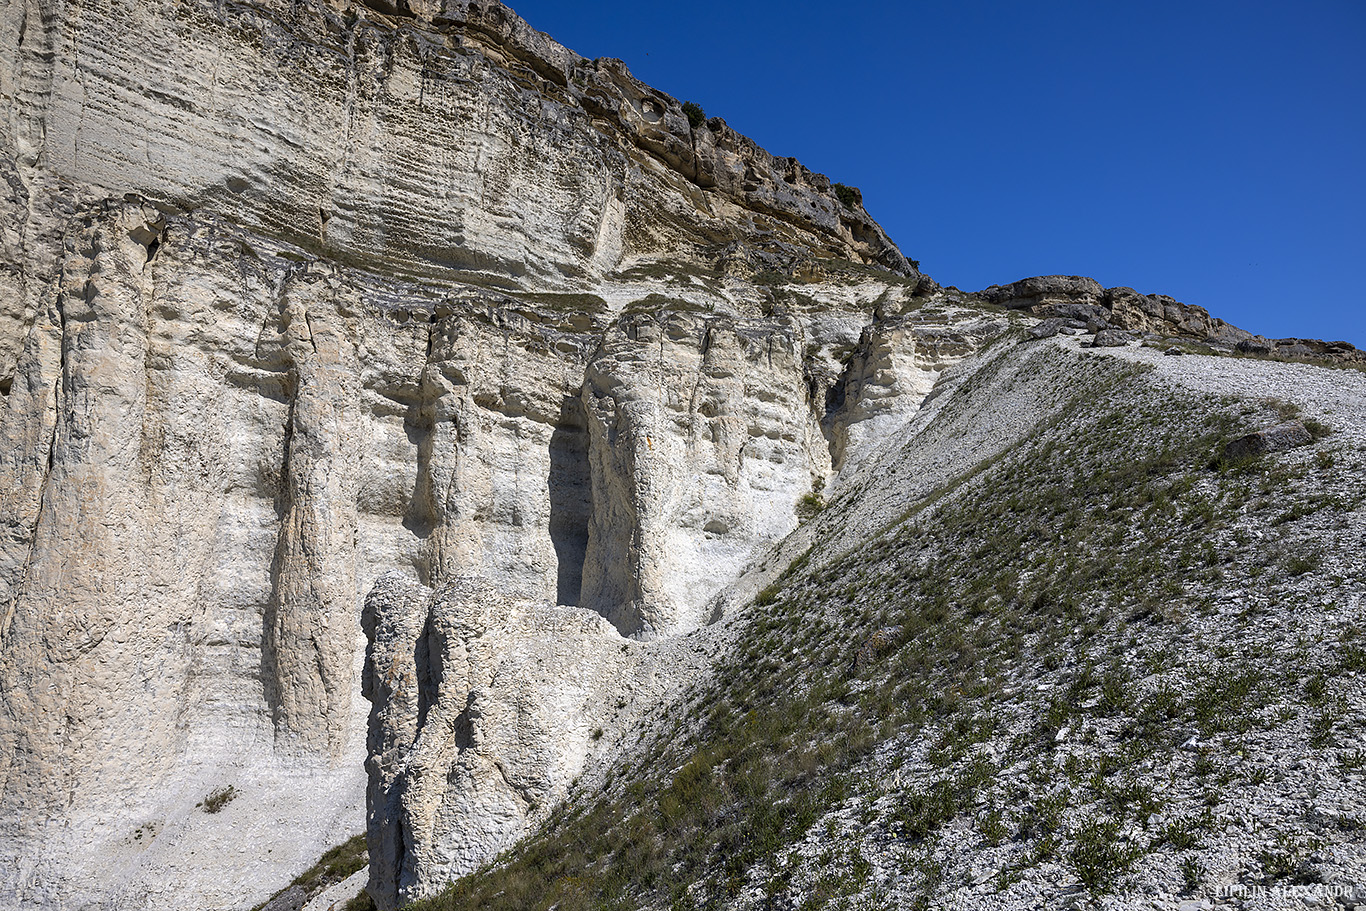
[698,449]
[1046,290]
[316,124]
[1047,328]
[1274,439]
[1303,348]
[297,297]
[1111,338]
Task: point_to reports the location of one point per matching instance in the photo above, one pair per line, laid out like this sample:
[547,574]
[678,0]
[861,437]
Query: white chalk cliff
[296,295]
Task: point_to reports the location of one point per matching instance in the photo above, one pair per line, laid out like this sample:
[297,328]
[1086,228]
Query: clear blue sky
[1213,151]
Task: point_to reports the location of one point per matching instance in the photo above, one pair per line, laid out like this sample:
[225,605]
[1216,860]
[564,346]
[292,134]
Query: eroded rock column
[484,709]
[75,676]
[309,631]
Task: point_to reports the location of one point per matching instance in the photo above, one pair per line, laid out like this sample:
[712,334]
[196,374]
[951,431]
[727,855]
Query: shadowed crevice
[571,500]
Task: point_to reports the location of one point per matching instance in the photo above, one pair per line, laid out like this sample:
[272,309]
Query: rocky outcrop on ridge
[1083,300]
[1082,303]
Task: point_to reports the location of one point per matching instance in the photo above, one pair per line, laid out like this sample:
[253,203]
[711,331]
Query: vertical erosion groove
[571,502]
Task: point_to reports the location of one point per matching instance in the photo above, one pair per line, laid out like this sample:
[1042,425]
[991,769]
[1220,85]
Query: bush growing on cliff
[849,197]
[218,799]
[696,116]
[809,505]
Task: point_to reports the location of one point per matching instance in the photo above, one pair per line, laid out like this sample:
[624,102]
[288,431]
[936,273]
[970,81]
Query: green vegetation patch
[849,197]
[333,867]
[217,799]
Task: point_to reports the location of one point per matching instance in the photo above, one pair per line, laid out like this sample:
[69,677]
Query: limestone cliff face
[294,295]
